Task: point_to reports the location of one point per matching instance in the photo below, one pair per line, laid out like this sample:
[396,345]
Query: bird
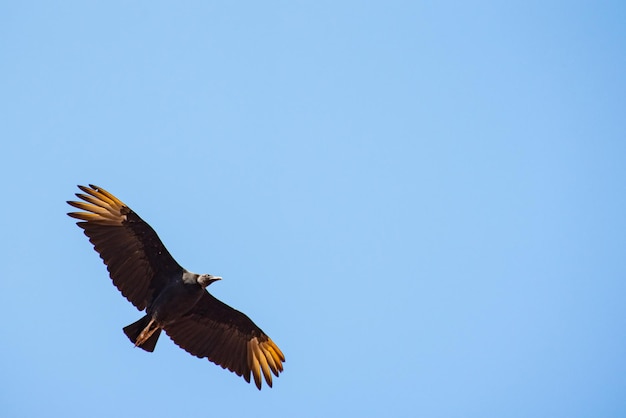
[175,300]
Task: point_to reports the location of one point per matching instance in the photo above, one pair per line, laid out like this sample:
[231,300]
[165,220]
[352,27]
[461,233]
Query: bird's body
[175,299]
[171,303]
[178,297]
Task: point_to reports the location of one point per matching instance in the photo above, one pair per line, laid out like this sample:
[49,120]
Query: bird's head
[206,279]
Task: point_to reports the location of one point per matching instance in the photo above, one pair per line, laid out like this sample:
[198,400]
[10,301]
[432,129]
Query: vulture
[175,300]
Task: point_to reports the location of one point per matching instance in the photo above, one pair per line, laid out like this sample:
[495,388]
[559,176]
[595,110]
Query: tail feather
[133,330]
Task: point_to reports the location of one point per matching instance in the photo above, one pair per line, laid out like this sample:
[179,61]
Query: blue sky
[422,203]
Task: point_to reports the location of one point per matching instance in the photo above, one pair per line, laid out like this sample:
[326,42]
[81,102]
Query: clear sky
[422,203]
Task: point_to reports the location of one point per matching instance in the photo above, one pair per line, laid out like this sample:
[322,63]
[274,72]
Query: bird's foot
[146,333]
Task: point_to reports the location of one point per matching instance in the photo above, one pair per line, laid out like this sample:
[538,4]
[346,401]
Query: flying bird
[175,300]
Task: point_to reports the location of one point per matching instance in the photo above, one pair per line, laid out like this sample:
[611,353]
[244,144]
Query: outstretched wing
[138,262]
[228,338]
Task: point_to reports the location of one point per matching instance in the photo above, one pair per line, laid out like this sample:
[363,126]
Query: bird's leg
[146,333]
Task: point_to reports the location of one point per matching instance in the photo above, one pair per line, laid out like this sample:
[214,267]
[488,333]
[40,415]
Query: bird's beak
[215,278]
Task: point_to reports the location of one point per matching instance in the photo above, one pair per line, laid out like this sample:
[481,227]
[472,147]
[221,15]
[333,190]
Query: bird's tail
[133,331]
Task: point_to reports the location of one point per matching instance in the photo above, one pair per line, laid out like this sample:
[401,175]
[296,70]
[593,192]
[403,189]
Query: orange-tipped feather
[254,363]
[100,203]
[92,208]
[260,356]
[108,195]
[95,218]
[270,359]
[278,355]
[96,194]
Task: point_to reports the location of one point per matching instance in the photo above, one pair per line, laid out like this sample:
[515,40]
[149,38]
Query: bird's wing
[228,338]
[137,260]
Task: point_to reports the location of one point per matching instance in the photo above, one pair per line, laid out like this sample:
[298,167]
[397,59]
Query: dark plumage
[175,299]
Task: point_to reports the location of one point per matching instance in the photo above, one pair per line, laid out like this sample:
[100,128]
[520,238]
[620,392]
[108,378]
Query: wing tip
[100,206]
[263,358]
